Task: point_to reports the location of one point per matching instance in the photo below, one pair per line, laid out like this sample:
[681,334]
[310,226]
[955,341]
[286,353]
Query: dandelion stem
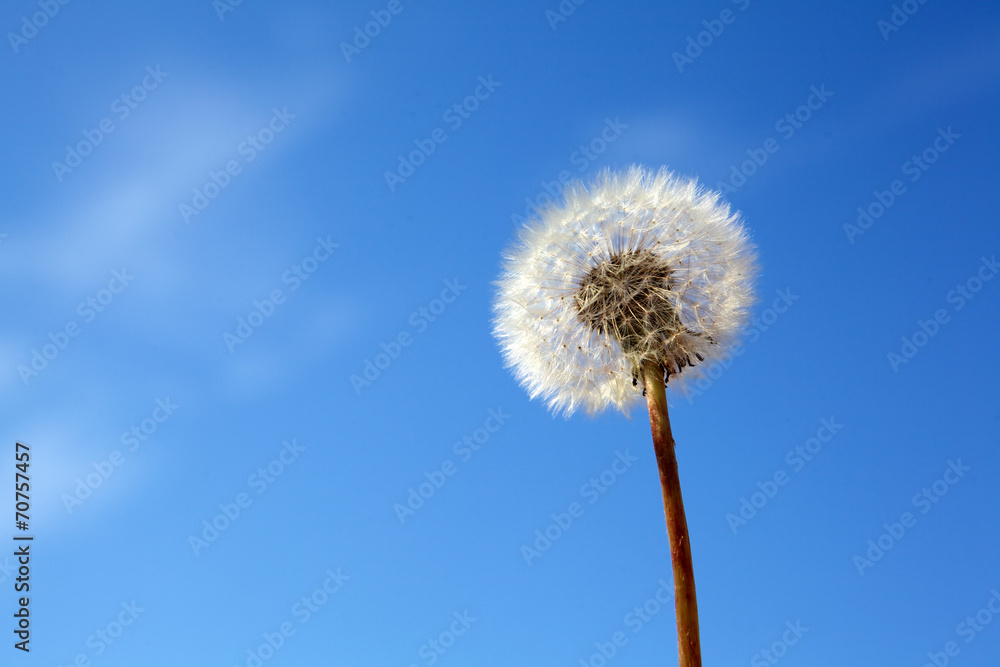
[685,602]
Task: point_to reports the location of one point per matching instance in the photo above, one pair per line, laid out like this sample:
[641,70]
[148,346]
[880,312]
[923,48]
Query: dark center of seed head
[627,296]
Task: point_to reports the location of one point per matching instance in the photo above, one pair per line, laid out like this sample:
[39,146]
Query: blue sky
[217,214]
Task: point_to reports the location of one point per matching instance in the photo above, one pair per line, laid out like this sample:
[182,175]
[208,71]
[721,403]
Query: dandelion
[630,286]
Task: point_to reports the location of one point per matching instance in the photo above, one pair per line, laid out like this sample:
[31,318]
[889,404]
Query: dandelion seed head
[641,266]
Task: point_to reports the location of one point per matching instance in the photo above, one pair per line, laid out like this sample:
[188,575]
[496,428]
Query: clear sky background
[307,130]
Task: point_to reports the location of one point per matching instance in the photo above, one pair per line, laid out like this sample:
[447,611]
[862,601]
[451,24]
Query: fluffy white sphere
[641,266]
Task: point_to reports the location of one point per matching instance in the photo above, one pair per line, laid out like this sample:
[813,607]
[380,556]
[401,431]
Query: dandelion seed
[645,260]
